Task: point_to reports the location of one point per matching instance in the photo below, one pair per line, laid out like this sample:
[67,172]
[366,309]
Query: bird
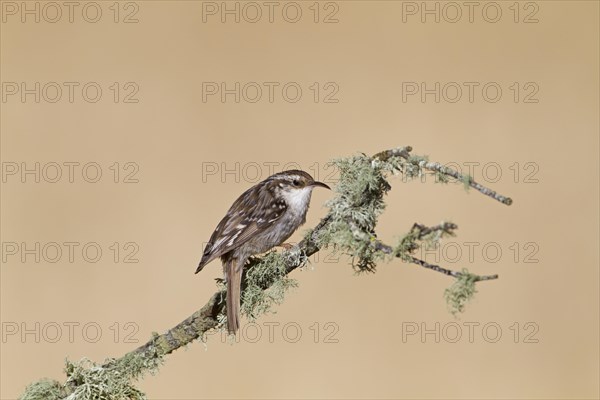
[263,217]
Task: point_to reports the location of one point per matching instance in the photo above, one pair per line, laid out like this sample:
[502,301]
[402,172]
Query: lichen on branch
[348,227]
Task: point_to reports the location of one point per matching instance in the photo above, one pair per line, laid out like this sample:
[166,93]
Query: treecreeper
[263,217]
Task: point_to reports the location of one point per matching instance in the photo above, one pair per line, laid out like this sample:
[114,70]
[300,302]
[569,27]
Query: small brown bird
[263,217]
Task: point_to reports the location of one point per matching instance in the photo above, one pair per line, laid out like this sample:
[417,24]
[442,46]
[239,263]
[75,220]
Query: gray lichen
[265,285]
[112,380]
[461,292]
[44,389]
[356,208]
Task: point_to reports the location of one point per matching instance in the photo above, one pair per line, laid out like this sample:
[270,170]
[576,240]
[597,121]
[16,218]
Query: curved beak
[321,184]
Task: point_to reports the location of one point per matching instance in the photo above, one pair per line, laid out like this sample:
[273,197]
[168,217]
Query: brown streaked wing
[249,215]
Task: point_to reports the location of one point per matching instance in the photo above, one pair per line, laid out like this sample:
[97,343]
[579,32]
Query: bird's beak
[321,184]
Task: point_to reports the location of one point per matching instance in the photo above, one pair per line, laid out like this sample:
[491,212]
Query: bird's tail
[234,281]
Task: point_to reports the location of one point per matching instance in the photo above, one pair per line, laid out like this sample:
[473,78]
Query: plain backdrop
[180,154]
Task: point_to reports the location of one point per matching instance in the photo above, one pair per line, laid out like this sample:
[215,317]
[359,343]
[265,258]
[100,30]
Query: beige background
[171,134]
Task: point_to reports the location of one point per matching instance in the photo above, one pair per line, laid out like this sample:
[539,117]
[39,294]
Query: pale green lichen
[416,239]
[358,204]
[355,209]
[90,381]
[462,290]
[441,178]
[44,389]
[266,284]
[467,180]
[413,167]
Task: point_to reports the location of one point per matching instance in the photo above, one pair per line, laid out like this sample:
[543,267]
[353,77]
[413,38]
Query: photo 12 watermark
[527,172]
[70,92]
[255,171]
[329,256]
[453,12]
[72,12]
[253,12]
[71,252]
[69,172]
[270,92]
[69,332]
[290,332]
[470,92]
[476,252]
[470,332]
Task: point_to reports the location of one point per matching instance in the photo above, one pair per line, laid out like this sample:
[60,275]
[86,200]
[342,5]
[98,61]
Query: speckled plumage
[263,217]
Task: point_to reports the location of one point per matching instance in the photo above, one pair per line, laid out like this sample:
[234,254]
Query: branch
[450,272]
[421,232]
[422,162]
[349,226]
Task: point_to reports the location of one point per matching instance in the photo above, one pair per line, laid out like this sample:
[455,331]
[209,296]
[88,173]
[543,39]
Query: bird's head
[295,187]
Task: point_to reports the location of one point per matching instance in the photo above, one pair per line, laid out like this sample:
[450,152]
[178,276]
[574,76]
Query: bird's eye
[296,182]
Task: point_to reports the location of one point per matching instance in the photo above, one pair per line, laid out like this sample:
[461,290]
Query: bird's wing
[249,215]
